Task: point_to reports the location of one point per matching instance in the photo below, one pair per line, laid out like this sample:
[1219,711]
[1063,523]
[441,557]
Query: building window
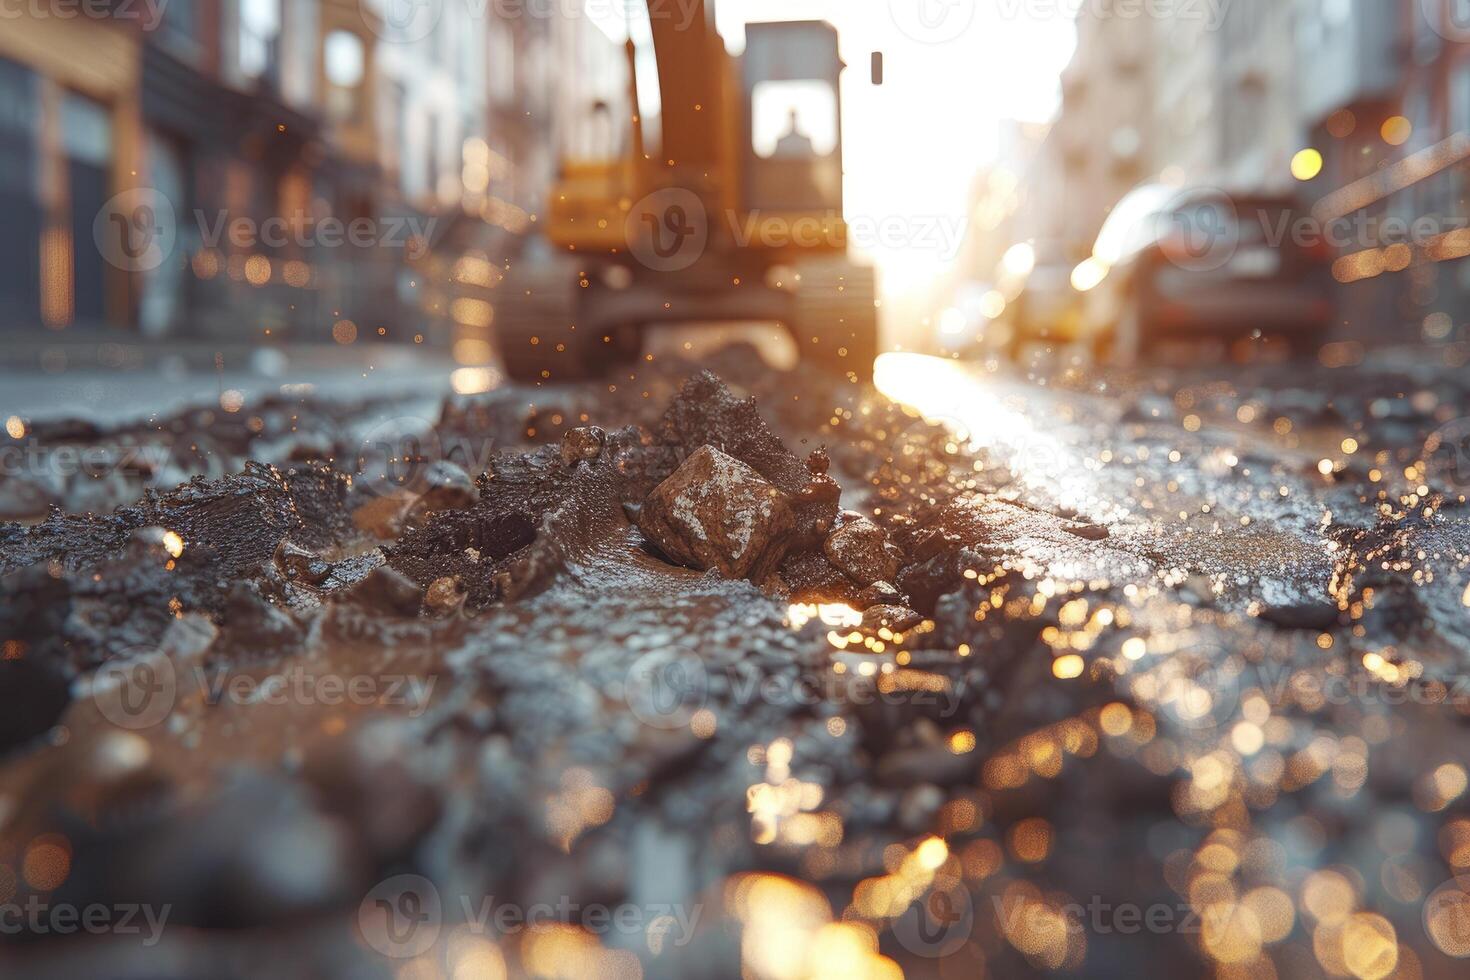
[260,31]
[344,59]
[179,29]
[1428,28]
[1460,98]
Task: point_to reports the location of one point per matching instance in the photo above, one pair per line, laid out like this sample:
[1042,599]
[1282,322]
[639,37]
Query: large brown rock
[716,512]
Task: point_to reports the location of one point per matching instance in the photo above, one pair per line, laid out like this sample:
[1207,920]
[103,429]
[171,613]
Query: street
[1169,677]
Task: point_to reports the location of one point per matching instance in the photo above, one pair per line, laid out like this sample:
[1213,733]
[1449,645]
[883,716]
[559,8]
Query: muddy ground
[1169,679]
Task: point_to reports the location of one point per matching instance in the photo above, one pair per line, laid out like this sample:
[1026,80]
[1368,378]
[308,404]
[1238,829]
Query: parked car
[1044,308]
[1172,264]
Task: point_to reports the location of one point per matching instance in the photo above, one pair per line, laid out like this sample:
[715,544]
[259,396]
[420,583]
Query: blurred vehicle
[1043,306]
[1182,264]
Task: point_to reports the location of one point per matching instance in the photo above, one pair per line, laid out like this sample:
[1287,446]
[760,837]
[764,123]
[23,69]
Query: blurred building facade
[331,173]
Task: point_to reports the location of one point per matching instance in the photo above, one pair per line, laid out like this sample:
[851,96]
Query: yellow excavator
[717,217]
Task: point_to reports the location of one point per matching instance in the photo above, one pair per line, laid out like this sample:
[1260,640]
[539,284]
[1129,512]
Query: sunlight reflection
[947,393]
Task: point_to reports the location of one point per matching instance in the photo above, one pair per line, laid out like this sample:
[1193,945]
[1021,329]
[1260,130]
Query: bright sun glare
[913,146]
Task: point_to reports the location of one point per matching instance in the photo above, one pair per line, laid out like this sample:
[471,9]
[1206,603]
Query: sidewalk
[117,377]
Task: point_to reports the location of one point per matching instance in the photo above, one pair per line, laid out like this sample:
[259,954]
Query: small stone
[444,596]
[860,550]
[388,590]
[1088,532]
[881,594]
[446,487]
[818,462]
[716,512]
[934,543]
[582,444]
[301,565]
[897,618]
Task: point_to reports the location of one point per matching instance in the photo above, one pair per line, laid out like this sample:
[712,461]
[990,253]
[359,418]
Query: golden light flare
[1396,130]
[838,615]
[579,805]
[473,957]
[1370,948]
[1068,667]
[474,380]
[1307,164]
[566,952]
[788,933]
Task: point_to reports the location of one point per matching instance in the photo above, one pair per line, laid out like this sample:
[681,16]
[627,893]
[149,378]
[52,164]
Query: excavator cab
[793,154]
[729,211]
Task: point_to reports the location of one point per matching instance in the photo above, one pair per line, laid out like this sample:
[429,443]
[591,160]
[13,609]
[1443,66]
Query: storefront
[68,142]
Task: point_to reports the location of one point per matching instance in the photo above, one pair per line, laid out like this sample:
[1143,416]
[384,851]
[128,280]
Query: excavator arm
[692,68]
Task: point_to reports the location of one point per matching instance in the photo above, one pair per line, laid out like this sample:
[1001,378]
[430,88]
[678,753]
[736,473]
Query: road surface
[1187,691]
